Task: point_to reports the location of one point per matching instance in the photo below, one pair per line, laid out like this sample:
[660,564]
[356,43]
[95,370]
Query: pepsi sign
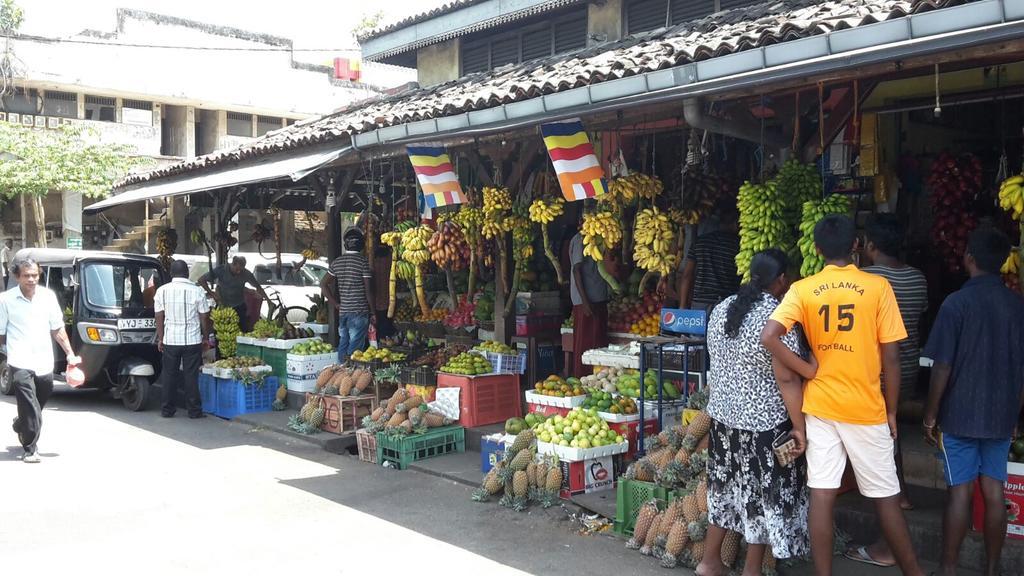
[679,321]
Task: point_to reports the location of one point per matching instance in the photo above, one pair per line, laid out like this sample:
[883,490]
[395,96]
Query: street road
[123,493]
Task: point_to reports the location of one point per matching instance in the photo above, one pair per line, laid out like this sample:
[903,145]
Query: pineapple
[698,529]
[518,462]
[325,375]
[415,416]
[282,392]
[644,519]
[405,428]
[662,457]
[700,425]
[435,420]
[508,497]
[398,397]
[307,409]
[699,463]
[317,417]
[377,413]
[552,485]
[675,545]
[673,512]
[672,475]
[691,510]
[330,390]
[363,380]
[683,457]
[696,553]
[648,549]
[699,400]
[523,440]
[520,489]
[703,444]
[702,496]
[531,474]
[491,485]
[396,420]
[642,470]
[412,402]
[730,548]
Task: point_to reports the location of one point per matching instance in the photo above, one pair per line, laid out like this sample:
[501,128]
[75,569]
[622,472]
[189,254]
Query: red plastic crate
[547,410]
[534,324]
[484,399]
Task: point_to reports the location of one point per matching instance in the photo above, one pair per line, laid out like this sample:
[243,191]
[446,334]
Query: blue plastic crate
[208,393]
[235,398]
[491,451]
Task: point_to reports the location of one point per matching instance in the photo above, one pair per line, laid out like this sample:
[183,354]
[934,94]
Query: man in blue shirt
[976,394]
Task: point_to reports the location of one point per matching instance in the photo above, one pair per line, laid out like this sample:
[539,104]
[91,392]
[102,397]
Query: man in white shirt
[5,258]
[29,318]
[182,324]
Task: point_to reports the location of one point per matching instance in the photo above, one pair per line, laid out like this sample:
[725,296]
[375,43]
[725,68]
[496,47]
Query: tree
[368,23]
[69,158]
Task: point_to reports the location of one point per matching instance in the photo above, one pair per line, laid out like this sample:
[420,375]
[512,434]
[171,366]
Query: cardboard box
[1014,494]
[586,476]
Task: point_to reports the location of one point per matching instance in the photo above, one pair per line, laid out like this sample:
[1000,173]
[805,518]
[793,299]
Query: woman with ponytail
[749,491]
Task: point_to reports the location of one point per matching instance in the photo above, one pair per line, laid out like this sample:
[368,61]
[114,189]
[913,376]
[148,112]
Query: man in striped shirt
[709,273]
[182,324]
[884,243]
[347,286]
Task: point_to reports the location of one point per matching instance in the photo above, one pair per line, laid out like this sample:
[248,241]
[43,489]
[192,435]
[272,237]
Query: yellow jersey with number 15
[846,314]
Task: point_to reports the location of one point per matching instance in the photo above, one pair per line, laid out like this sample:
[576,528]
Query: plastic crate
[484,399]
[535,324]
[208,393]
[419,375]
[404,450]
[299,367]
[367,444]
[244,349]
[277,359]
[235,398]
[505,363]
[630,495]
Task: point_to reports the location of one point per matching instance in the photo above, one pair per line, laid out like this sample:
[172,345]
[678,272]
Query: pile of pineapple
[522,477]
[403,414]
[337,380]
[677,460]
[310,417]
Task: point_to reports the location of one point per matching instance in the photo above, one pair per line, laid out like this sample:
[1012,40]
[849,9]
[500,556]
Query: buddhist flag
[579,173]
[436,176]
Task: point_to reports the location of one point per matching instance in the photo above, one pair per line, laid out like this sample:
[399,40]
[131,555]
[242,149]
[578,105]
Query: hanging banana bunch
[471,220]
[653,244]
[394,240]
[543,212]
[166,246]
[415,252]
[522,249]
[602,232]
[497,204]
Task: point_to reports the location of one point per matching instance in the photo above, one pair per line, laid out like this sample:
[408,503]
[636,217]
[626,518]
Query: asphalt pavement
[133,493]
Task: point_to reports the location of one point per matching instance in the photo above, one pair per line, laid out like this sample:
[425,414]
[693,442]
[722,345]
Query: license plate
[136,323]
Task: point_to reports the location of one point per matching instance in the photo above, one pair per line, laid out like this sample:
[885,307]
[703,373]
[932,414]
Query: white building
[169,87]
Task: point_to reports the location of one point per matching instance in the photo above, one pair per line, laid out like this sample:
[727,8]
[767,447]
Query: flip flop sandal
[860,554]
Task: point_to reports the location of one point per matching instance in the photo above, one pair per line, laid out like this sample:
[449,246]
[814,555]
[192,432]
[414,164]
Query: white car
[293,287]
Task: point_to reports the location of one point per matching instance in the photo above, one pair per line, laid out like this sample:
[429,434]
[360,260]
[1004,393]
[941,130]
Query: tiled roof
[417,18]
[716,35]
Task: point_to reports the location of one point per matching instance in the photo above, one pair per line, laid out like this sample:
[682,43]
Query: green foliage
[11,16]
[66,158]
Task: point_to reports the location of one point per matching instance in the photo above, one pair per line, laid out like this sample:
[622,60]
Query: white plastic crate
[297,385]
[279,344]
[245,340]
[316,328]
[570,454]
[505,363]
[299,366]
[565,402]
[618,418]
[229,373]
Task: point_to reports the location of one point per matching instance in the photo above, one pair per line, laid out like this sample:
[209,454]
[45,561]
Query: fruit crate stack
[235,397]
[630,495]
[248,346]
[366,443]
[303,367]
[485,399]
[275,354]
[401,451]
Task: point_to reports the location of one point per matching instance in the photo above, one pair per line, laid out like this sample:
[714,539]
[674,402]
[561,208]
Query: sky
[310,23]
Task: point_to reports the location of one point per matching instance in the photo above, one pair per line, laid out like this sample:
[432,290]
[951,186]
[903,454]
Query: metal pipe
[696,117]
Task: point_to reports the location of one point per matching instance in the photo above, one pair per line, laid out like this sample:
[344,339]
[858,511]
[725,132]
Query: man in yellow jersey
[853,325]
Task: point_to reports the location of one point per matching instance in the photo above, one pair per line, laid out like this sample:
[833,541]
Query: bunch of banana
[544,211]
[310,254]
[1012,264]
[497,199]
[448,247]
[225,326]
[1011,196]
[166,246]
[813,212]
[627,189]
[698,192]
[761,208]
[471,220]
[652,241]
[602,232]
[392,239]
[621,190]
[415,252]
[798,183]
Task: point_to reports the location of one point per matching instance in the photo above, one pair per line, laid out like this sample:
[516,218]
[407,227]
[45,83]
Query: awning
[296,166]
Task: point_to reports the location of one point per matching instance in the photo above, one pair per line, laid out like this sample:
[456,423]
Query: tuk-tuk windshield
[120,285]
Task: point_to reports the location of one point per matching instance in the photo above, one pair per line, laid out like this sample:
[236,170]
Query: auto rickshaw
[107,298]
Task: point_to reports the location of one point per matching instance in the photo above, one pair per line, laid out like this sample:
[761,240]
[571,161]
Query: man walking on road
[976,394]
[29,318]
[5,259]
[231,280]
[182,324]
[853,325]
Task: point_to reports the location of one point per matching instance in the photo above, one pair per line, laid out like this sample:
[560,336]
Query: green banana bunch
[762,225]
[813,212]
[225,326]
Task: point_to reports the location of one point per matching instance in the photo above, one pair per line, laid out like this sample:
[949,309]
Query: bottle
[74,376]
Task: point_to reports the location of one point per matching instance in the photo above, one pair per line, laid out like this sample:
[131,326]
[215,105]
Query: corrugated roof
[723,33]
[417,18]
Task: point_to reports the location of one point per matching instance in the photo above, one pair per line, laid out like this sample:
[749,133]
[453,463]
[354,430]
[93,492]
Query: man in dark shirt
[709,274]
[976,395]
[231,281]
[349,290]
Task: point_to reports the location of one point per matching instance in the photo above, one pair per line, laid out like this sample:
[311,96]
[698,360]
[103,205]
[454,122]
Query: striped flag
[436,176]
[579,173]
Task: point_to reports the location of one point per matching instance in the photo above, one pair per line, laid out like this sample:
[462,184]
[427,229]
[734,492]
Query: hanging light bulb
[938,106]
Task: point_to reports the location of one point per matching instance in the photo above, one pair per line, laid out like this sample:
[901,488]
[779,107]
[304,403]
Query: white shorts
[869,447]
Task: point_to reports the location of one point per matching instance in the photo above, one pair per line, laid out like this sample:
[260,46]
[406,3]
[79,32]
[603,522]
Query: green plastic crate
[249,350]
[277,359]
[630,495]
[404,450]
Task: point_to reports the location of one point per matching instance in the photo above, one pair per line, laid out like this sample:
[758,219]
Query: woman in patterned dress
[748,490]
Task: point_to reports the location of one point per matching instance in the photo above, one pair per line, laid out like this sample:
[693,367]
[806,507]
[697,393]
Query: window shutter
[730,4]
[475,56]
[504,51]
[571,34]
[644,15]
[689,10]
[537,43]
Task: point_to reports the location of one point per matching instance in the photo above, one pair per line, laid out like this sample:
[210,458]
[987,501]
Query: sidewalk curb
[443,475]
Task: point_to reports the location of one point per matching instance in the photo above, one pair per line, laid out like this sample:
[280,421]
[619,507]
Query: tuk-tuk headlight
[101,335]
